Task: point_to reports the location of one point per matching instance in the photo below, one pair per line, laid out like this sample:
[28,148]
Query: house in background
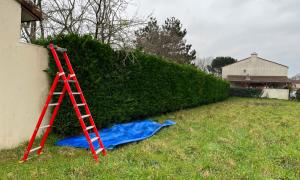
[256,72]
[296,84]
[24,83]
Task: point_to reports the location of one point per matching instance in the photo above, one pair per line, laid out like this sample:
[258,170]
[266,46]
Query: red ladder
[71,78]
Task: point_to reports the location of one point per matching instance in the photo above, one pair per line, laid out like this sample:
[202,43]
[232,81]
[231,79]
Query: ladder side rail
[69,90]
[98,135]
[77,111]
[52,89]
[56,59]
[78,88]
[84,101]
[69,65]
[91,120]
[43,141]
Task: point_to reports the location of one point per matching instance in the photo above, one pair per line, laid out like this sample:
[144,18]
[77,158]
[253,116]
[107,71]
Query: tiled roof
[257,58]
[296,81]
[258,79]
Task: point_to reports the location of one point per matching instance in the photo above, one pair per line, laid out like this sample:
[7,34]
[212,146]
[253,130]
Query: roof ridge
[238,61]
[271,61]
[258,58]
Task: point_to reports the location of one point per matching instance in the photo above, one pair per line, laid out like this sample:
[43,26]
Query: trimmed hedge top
[120,87]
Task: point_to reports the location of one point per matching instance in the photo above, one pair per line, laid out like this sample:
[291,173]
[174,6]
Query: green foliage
[298,94]
[219,62]
[119,86]
[245,92]
[167,41]
[239,138]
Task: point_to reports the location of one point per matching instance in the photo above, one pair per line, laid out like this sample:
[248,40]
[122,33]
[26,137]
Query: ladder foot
[104,152]
[97,161]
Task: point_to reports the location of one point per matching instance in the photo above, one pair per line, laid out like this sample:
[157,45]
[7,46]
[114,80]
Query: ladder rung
[80,104]
[59,49]
[76,93]
[43,127]
[99,150]
[53,104]
[57,93]
[72,75]
[34,149]
[70,81]
[90,127]
[84,116]
[62,73]
[94,139]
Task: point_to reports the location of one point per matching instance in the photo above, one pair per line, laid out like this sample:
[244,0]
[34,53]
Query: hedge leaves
[121,86]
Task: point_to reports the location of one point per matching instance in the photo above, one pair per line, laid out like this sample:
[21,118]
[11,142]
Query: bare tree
[296,77]
[60,17]
[203,63]
[42,30]
[29,30]
[65,16]
[109,23]
[105,20]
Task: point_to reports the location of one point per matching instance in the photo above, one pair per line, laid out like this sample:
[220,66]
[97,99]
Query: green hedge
[298,94]
[245,92]
[120,87]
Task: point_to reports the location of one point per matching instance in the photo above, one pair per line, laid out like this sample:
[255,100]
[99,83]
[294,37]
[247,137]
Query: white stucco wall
[24,85]
[254,66]
[276,93]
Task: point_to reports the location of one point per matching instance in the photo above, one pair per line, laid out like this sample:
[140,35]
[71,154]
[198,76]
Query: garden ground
[238,138]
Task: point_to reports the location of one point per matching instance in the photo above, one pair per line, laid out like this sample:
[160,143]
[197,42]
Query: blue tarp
[118,134]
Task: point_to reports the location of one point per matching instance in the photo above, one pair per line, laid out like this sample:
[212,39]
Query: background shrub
[298,94]
[120,87]
[245,92]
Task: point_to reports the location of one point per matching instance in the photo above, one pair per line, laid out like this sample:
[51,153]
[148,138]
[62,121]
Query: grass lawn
[237,138]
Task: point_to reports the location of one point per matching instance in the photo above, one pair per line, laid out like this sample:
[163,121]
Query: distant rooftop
[255,55]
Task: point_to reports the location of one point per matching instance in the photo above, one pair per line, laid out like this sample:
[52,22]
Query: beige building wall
[254,66]
[276,93]
[24,84]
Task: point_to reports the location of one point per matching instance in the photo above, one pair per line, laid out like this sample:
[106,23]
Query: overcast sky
[236,28]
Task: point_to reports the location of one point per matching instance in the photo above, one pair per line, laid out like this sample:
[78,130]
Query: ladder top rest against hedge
[79,104]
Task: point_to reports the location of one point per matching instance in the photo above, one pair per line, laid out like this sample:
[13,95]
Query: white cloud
[236,27]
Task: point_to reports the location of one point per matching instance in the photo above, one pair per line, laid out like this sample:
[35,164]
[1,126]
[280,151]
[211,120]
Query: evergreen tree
[219,62]
[167,41]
